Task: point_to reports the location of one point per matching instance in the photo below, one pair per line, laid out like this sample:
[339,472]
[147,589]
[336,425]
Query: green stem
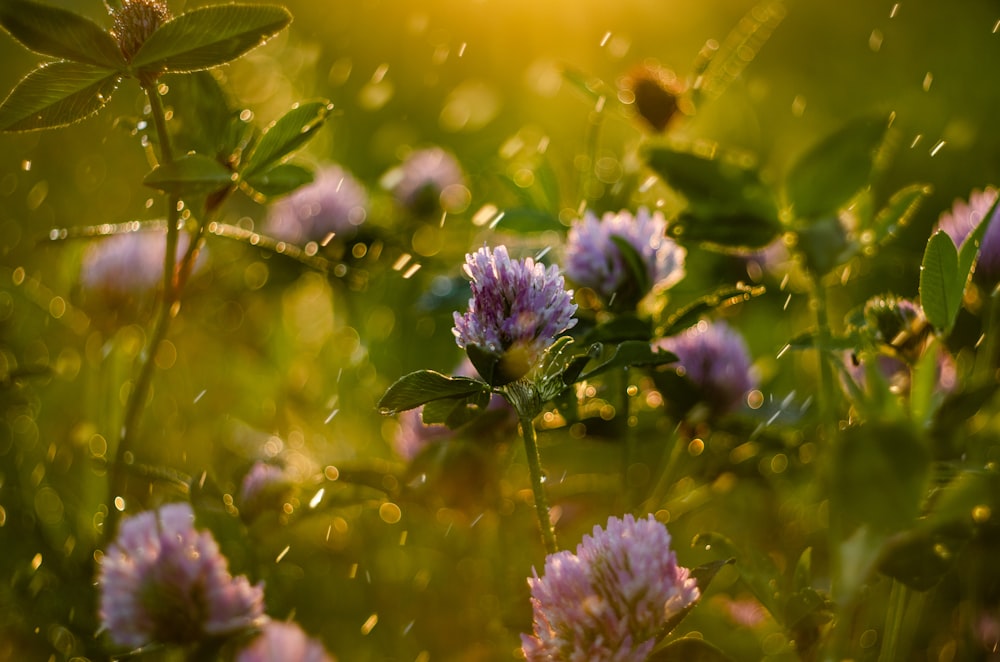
[898,597]
[591,141]
[538,486]
[672,452]
[628,445]
[124,455]
[824,337]
[986,359]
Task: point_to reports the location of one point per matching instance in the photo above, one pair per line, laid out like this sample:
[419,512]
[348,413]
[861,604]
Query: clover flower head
[334,202]
[608,601]
[897,372]
[123,269]
[135,21]
[715,358]
[517,306]
[962,219]
[594,260]
[283,642]
[265,486]
[427,180]
[163,581]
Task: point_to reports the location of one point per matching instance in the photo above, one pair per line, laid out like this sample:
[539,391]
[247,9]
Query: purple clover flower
[335,202]
[123,269]
[164,581]
[265,486]
[716,360]
[283,642]
[962,219]
[518,307]
[428,179]
[610,599]
[593,260]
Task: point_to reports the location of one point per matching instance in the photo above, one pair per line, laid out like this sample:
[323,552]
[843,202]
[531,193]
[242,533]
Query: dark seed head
[135,21]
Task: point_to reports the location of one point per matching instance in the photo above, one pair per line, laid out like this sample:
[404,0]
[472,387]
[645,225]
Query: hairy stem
[124,455]
[538,486]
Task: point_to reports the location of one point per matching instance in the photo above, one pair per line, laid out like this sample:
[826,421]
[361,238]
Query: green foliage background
[265,351]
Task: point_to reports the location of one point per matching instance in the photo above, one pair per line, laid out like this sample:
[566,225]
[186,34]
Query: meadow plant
[611,599]
[622,257]
[163,581]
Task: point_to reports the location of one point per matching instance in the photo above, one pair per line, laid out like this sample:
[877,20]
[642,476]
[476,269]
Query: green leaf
[900,209]
[729,207]
[191,173]
[703,575]
[484,361]
[286,135]
[57,94]
[757,570]
[833,171]
[632,353]
[879,476]
[207,37]
[423,386]
[455,412]
[923,384]
[626,326]
[279,180]
[920,558]
[689,649]
[60,33]
[721,298]
[638,283]
[940,294]
[204,120]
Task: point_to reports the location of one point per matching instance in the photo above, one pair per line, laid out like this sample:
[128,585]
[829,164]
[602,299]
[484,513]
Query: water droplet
[317,498]
[282,554]
[875,40]
[937,147]
[369,624]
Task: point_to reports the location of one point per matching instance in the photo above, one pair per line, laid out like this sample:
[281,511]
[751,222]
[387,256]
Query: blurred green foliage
[271,359]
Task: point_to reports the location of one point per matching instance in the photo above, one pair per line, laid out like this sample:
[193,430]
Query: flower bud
[135,21]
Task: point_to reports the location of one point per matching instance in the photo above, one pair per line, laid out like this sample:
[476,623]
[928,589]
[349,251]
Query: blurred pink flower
[122,269]
[608,601]
[334,202]
[963,218]
[594,260]
[413,435]
[715,358]
[163,581]
[427,180]
[283,642]
[265,486]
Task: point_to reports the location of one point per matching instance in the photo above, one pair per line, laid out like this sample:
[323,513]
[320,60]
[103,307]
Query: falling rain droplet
[937,147]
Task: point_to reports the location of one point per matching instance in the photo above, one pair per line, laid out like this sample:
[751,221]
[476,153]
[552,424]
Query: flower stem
[824,339]
[898,597]
[672,451]
[538,486]
[168,310]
